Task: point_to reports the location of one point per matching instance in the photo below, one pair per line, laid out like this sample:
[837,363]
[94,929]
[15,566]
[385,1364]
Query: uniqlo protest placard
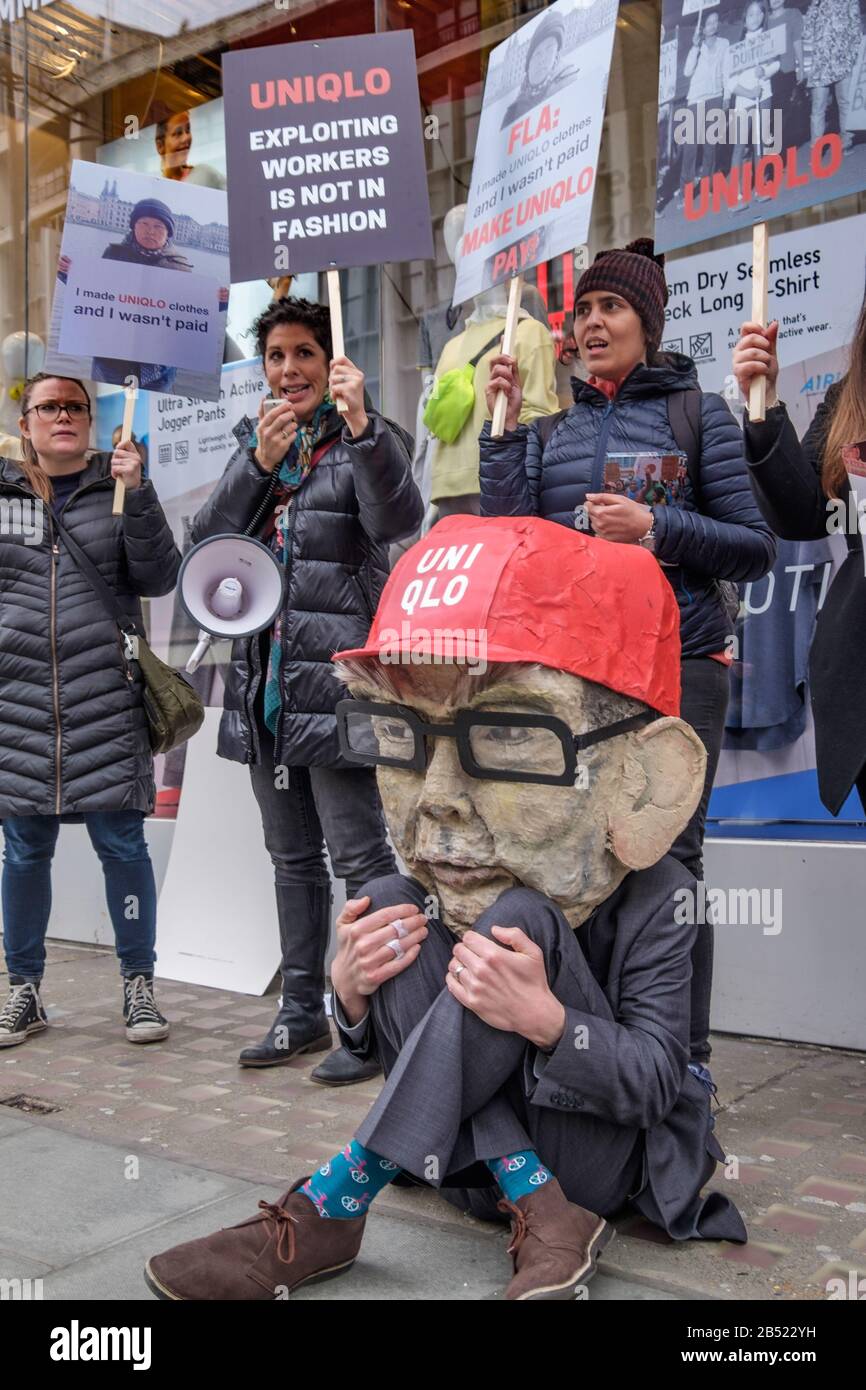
[533,176]
[764,112]
[159,326]
[325,156]
[142,283]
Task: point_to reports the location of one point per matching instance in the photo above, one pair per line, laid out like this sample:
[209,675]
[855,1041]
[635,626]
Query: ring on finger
[395,946]
[399,929]
[458,969]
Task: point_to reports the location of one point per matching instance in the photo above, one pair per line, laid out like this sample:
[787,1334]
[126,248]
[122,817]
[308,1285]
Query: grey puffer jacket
[359,497]
[73,732]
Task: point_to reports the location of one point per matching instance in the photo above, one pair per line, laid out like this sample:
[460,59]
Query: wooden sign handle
[497,428]
[760,278]
[125,436]
[335,304]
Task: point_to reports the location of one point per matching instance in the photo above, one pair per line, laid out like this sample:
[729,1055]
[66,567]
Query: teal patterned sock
[519,1173]
[346,1185]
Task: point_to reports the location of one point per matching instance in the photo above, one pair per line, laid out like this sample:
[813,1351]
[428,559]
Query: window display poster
[533,175]
[765,111]
[815,286]
[326,164]
[163,20]
[187,146]
[142,283]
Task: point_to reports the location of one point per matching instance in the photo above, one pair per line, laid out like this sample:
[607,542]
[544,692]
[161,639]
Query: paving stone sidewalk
[210,1138]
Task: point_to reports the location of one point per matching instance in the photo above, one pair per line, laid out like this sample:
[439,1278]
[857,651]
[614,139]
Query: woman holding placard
[807,491]
[74,736]
[642,415]
[327,492]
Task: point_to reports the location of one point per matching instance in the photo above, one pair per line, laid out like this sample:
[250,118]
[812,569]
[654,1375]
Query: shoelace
[16,1005]
[141,1003]
[521,1227]
[272,1211]
[706,1081]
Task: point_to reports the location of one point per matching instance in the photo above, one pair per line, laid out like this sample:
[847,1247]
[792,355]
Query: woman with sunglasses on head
[74,738]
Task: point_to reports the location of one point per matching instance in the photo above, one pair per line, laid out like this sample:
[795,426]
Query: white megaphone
[231,586]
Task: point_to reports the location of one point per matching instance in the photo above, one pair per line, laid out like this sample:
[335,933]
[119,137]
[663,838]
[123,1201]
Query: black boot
[342,1068]
[304,915]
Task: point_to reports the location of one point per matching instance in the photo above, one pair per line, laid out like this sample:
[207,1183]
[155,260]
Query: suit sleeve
[628,1070]
[728,538]
[152,558]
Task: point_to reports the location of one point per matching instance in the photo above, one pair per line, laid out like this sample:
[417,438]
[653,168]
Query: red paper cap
[538,592]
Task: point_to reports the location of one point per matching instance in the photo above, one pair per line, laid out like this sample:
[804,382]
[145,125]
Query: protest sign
[761,47]
[325,156]
[694,6]
[857,92]
[533,175]
[180,330]
[797,152]
[667,71]
[811,272]
[142,283]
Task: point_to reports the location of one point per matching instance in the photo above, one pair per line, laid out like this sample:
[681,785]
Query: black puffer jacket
[73,733]
[359,498]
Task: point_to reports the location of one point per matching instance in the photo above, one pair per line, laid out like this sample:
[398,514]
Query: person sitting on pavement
[527,986]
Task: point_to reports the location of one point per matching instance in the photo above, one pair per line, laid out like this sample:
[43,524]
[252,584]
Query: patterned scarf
[293,472]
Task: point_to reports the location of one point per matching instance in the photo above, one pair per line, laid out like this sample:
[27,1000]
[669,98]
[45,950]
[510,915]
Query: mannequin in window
[455,485]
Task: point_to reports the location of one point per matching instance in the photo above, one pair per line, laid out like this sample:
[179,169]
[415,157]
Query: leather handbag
[173,708]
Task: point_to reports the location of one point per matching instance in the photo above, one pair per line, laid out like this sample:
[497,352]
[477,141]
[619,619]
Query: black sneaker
[144,1022]
[21,1015]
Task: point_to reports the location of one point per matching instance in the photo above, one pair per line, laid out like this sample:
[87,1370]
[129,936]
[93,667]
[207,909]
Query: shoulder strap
[95,579]
[546,424]
[684,414]
[473,361]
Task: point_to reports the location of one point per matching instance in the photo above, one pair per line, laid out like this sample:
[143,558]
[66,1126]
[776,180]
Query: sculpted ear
[662,783]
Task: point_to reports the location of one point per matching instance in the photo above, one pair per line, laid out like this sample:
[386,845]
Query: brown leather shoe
[554,1244]
[265,1257]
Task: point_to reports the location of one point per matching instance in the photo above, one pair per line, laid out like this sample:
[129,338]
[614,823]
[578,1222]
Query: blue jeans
[130,889]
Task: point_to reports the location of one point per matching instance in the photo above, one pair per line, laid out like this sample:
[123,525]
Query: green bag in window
[452,399]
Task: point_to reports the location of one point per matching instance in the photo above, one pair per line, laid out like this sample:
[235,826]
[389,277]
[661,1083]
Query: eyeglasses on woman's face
[49,411]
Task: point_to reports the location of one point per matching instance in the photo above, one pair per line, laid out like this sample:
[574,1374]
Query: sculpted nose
[446,794]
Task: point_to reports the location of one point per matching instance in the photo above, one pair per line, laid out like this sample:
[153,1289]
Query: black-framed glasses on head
[49,411]
[498,747]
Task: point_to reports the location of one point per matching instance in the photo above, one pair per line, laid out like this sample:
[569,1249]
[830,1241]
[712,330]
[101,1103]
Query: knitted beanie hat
[636,273]
[152,207]
[552,26]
